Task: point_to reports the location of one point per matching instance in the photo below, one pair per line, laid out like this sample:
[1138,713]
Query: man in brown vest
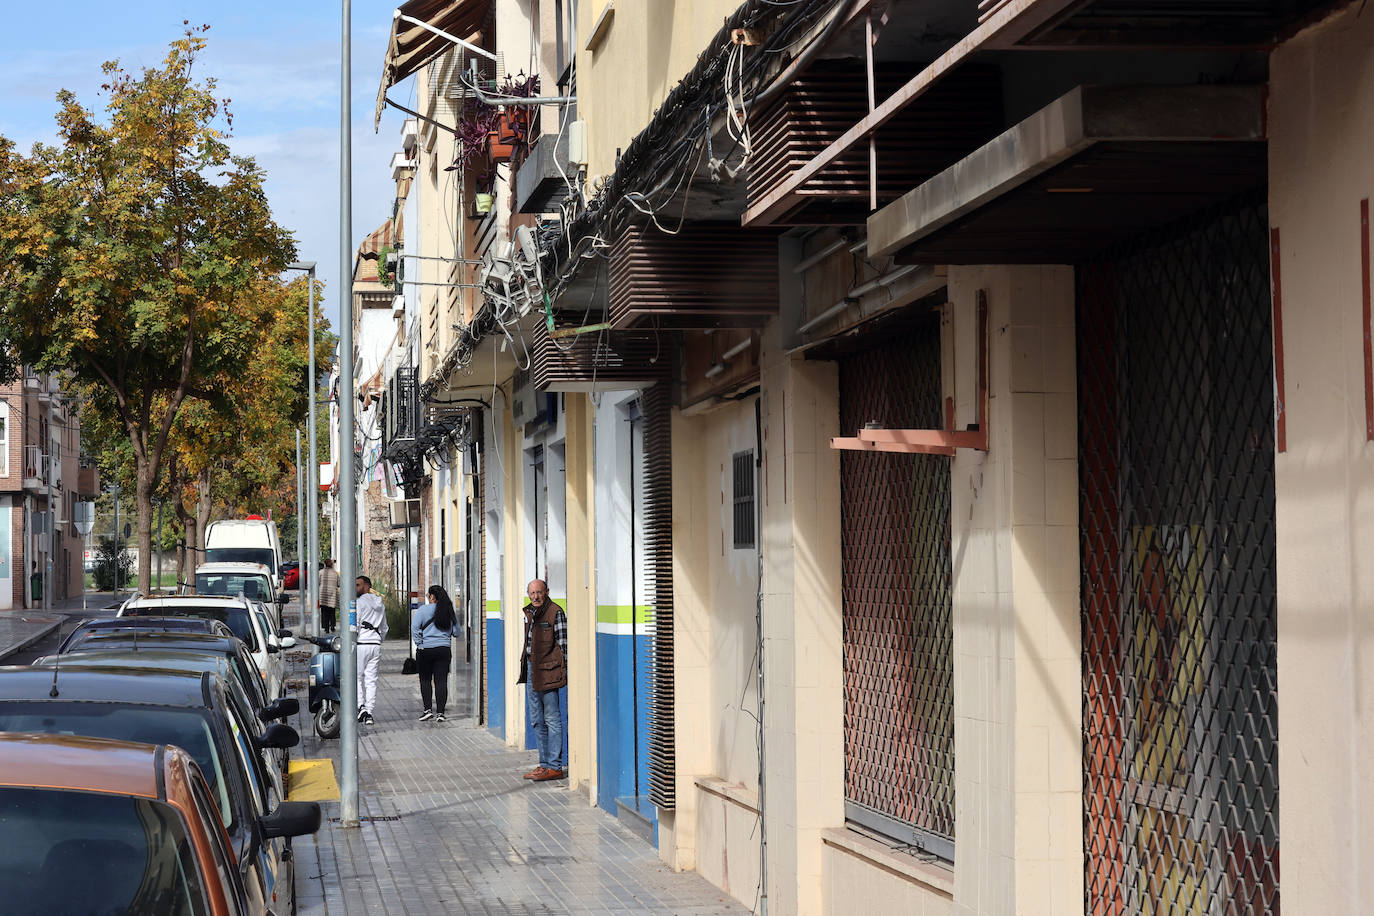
[544,670]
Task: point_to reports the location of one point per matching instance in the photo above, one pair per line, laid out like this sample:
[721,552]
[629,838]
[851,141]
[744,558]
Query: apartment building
[42,480]
[946,426]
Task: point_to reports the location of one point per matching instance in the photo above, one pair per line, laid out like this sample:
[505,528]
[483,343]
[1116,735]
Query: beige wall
[804,688]
[655,41]
[581,604]
[1017,674]
[715,636]
[1321,133]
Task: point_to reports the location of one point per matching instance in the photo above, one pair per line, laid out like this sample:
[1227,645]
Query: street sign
[84,517]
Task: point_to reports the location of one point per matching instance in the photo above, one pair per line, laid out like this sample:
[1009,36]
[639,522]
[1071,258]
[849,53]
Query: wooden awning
[410,47]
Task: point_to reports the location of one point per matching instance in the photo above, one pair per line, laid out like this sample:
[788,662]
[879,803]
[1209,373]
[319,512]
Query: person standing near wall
[371,632]
[431,629]
[544,671]
[329,595]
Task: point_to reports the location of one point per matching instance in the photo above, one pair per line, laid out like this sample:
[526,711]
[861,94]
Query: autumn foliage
[143,262]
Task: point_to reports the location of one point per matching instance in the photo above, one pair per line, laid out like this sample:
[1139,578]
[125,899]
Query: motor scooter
[324,685]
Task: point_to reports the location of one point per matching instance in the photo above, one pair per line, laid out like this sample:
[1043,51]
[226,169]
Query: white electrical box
[577,143]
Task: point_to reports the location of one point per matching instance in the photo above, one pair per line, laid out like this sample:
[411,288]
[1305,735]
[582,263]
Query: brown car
[90,825]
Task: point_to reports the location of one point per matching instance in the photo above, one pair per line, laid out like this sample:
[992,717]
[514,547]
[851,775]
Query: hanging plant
[384,276]
[497,132]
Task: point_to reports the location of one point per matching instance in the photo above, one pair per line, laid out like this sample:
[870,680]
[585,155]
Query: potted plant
[484,195]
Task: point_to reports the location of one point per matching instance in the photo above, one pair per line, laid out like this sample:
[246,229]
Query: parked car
[196,712]
[236,611]
[142,624]
[230,648]
[237,670]
[252,580]
[292,579]
[98,826]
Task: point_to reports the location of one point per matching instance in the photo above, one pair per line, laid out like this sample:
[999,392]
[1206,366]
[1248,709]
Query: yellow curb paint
[312,780]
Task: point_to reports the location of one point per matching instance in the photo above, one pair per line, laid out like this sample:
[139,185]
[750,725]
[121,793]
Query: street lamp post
[344,537]
[310,590]
[300,529]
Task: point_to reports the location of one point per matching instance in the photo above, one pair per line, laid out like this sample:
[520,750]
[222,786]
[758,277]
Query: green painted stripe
[621,613]
[493,608]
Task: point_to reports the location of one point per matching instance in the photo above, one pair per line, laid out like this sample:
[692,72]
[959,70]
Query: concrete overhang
[1096,166]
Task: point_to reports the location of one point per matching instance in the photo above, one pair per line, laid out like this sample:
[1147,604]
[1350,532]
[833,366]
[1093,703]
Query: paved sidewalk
[21,629]
[450,827]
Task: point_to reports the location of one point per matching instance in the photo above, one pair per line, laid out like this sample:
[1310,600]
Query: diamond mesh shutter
[897,602]
[1177,526]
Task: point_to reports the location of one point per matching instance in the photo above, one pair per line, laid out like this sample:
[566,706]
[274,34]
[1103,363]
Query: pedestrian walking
[329,596]
[431,629]
[371,632]
[544,671]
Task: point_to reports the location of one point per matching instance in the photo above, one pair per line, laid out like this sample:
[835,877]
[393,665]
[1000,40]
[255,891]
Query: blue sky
[277,61]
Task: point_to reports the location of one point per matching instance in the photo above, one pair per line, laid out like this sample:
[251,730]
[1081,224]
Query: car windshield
[89,852]
[253,586]
[263,555]
[185,728]
[234,616]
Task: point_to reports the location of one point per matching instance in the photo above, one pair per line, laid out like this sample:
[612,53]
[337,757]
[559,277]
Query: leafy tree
[134,249]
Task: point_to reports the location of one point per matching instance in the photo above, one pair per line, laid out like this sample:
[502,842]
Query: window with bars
[743,488]
[897,597]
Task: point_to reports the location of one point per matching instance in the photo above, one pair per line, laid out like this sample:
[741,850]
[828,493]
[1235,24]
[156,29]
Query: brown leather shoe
[535,773]
[546,775]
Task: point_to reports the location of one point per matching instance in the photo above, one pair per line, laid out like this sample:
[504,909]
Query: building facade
[945,425]
[42,481]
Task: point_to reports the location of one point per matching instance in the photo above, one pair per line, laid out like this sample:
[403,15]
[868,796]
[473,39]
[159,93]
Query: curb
[41,634]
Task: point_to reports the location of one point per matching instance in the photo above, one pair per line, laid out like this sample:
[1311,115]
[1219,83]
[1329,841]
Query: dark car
[230,647]
[136,821]
[198,713]
[160,624]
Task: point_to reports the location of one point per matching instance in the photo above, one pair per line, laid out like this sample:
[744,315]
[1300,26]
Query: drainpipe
[758,625]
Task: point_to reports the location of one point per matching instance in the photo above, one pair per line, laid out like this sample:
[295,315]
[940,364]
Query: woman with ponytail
[431,629]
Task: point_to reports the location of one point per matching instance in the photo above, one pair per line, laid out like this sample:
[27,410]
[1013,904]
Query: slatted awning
[410,47]
[1096,166]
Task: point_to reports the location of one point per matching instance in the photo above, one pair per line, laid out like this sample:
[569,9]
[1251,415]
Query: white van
[245,540]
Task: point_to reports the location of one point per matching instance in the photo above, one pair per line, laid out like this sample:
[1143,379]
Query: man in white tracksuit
[371,632]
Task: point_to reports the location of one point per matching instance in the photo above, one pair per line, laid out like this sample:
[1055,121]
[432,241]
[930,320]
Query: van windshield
[255,587]
[264,555]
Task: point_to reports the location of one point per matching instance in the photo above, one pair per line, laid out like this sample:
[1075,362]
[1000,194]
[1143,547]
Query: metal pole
[52,529]
[116,544]
[312,478]
[344,537]
[159,545]
[300,528]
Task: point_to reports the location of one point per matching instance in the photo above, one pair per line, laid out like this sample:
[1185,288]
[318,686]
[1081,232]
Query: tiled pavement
[450,827]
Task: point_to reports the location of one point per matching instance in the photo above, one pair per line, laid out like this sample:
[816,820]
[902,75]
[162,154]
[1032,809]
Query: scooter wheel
[327,720]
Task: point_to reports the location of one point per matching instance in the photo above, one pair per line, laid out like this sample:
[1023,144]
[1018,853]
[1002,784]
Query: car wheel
[327,720]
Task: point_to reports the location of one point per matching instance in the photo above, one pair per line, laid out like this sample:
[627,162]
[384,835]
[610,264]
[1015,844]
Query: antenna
[57,662]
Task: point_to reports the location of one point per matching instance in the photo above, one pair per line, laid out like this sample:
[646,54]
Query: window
[744,500]
[4,438]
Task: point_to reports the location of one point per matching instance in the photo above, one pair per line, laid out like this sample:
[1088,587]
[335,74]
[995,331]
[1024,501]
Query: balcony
[400,412]
[40,471]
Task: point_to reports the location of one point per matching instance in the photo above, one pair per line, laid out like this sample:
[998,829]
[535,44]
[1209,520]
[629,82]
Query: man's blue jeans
[546,714]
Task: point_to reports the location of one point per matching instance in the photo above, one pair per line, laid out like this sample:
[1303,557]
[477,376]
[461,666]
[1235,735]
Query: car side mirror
[291,819]
[273,648]
[281,599]
[279,736]
[280,709]
[284,634]
[288,642]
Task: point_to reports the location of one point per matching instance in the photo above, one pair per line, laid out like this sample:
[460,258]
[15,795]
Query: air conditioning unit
[405,513]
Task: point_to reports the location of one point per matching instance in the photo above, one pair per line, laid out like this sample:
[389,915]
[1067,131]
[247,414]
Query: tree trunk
[203,506]
[144,495]
[186,564]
